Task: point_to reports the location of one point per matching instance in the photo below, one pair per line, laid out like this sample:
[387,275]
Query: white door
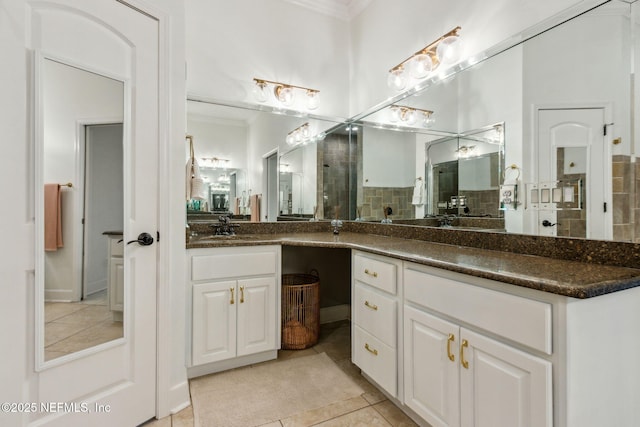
[113,383]
[571,144]
[256,315]
[501,386]
[431,368]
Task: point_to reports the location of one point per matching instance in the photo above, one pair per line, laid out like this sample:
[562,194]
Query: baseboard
[179,397]
[236,362]
[59,295]
[335,313]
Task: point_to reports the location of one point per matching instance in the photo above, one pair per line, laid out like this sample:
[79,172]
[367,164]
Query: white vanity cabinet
[115,275]
[456,375]
[235,305]
[375,317]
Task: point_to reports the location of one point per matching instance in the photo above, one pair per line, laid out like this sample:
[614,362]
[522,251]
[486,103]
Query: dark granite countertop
[564,277]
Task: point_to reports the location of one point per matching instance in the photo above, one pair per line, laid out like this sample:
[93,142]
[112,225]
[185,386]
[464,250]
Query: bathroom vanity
[463,336]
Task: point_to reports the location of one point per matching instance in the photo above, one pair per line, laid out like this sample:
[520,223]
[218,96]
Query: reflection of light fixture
[445,50]
[215,162]
[410,115]
[285,93]
[224,178]
[299,135]
[465,151]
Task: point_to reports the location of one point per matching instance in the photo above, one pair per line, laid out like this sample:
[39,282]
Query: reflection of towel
[195,184]
[52,217]
[418,193]
[254,201]
[236,209]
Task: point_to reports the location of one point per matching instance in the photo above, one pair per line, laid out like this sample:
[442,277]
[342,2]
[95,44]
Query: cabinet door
[214,322]
[502,386]
[431,368]
[256,315]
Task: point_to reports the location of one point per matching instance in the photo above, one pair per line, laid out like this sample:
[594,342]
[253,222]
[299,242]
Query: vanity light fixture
[466,151]
[215,162]
[285,93]
[411,115]
[299,135]
[445,50]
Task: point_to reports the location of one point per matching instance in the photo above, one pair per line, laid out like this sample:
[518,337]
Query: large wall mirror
[227,137]
[581,64]
[546,75]
[79,182]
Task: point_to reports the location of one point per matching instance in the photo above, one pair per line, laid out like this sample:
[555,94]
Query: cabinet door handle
[232,300]
[449,341]
[370,350]
[370,273]
[464,363]
[241,294]
[371,306]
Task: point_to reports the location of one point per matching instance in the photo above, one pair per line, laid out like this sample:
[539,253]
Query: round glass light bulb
[428,120]
[285,95]
[421,66]
[313,99]
[394,114]
[260,91]
[397,79]
[305,131]
[449,50]
[290,139]
[410,117]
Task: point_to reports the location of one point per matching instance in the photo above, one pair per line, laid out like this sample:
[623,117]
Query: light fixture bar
[427,49]
[215,159]
[263,81]
[299,128]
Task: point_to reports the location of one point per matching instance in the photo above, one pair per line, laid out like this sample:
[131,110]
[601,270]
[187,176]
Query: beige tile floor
[372,408]
[70,327]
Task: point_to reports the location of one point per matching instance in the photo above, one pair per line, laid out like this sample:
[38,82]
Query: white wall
[231,42]
[385,34]
[69,96]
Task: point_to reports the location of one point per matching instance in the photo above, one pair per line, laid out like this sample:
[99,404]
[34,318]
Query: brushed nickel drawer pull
[371,306]
[374,274]
[370,350]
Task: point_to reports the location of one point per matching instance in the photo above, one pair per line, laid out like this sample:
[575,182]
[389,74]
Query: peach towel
[254,202]
[52,217]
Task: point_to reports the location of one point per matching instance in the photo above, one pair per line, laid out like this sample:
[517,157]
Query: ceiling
[341,9]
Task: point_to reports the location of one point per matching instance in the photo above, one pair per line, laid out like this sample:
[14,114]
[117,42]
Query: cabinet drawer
[224,265]
[376,313]
[117,249]
[376,359]
[375,272]
[516,318]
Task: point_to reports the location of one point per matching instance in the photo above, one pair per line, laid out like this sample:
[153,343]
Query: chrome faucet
[224,227]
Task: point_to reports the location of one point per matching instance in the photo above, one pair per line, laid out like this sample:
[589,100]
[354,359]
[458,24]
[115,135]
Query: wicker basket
[300,311]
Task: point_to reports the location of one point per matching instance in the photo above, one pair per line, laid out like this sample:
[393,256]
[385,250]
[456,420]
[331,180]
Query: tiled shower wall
[336,176]
[626,199]
[375,198]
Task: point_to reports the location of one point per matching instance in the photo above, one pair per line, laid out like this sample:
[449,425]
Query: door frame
[531,216]
[81,153]
[267,201]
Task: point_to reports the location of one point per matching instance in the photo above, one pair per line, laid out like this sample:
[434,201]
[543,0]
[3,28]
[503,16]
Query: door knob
[547,223]
[144,239]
